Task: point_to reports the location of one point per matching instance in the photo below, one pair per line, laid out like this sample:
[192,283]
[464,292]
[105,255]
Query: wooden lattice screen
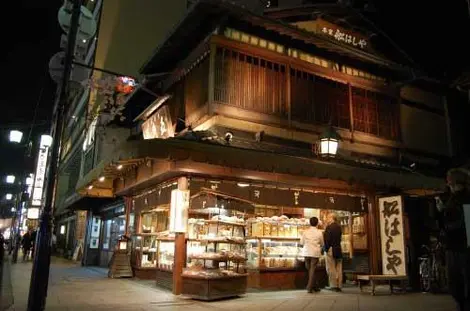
[249,82]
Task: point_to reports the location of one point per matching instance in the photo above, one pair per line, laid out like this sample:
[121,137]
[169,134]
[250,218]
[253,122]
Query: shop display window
[275,254]
[144,253]
[107,234]
[166,254]
[218,250]
[154,221]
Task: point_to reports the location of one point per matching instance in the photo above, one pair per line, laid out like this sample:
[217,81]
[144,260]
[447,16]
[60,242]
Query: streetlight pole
[18,211]
[42,258]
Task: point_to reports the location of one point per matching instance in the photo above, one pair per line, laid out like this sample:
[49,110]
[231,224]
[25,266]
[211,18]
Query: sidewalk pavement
[72,287]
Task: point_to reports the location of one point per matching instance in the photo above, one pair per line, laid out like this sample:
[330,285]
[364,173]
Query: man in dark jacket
[334,254]
[26,243]
[457,250]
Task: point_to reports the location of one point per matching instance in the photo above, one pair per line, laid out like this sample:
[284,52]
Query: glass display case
[154,221]
[144,250]
[216,259]
[275,253]
[153,251]
[166,253]
[359,232]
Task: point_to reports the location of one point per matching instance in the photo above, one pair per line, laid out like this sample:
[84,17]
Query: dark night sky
[434,33]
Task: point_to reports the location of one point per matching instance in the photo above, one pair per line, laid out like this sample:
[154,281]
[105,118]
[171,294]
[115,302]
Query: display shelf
[223,249]
[217,241]
[221,222]
[274,238]
[219,259]
[271,253]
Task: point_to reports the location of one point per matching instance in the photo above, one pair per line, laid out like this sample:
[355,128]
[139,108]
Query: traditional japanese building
[260,121]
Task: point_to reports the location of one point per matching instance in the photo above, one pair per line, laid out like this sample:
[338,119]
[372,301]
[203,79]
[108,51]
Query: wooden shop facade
[233,145]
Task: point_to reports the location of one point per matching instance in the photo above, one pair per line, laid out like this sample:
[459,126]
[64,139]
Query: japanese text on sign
[392,236]
[39,177]
[341,36]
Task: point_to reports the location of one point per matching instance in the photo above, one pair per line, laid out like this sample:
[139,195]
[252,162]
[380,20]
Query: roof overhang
[208,14]
[154,161]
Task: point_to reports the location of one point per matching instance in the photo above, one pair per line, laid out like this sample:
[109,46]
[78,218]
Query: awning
[184,157]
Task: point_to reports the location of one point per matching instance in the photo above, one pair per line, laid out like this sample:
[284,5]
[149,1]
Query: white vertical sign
[179,210]
[392,235]
[39,176]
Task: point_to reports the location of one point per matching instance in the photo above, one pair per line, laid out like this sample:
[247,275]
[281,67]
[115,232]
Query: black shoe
[310,291]
[316,289]
[339,290]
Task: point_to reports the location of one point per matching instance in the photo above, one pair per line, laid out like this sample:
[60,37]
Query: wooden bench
[375,279]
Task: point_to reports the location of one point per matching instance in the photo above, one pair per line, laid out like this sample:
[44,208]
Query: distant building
[127,34]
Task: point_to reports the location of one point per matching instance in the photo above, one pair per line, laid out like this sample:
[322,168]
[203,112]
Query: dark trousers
[25,253]
[458,268]
[311,265]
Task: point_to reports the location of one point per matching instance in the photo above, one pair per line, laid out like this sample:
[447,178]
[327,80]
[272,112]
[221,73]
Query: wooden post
[288,95]
[374,235]
[180,250]
[128,207]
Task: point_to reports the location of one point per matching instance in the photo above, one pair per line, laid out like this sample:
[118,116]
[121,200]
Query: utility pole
[42,258]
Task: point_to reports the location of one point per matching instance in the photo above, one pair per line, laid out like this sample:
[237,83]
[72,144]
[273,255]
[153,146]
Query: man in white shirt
[312,241]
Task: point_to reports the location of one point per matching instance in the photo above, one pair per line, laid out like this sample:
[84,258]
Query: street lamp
[329,141]
[16,136]
[10,179]
[9,196]
[29,180]
[46,141]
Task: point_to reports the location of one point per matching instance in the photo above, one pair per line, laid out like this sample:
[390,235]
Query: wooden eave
[175,157]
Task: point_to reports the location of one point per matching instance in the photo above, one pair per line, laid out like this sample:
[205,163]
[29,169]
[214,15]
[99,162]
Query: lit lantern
[9,196]
[33,213]
[329,142]
[46,141]
[125,85]
[123,243]
[29,180]
[10,179]
[16,136]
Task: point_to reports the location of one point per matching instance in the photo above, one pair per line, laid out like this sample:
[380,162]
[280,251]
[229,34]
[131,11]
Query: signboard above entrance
[159,125]
[336,33]
[342,35]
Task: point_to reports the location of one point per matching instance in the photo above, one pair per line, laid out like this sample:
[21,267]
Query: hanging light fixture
[329,142]
[16,136]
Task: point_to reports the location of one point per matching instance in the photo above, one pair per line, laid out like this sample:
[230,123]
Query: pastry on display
[277,226]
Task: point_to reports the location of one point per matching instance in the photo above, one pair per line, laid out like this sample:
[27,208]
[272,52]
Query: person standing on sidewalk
[26,243]
[2,246]
[334,254]
[312,241]
[457,246]
[33,242]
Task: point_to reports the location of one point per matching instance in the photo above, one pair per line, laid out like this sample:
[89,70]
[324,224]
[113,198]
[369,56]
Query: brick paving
[72,287]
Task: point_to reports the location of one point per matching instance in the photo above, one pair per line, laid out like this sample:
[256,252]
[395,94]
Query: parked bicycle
[431,269]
